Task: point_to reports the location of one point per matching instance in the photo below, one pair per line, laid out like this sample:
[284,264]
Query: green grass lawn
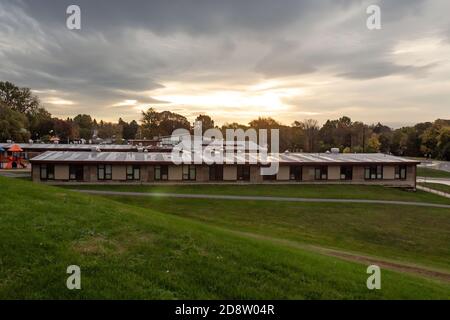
[432,173]
[304,191]
[407,233]
[125,251]
[436,186]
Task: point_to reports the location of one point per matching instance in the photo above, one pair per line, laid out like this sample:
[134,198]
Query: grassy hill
[412,234]
[129,252]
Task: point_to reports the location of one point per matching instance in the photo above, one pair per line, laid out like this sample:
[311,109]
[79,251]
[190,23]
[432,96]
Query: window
[373,173]
[189,172]
[295,173]
[216,173]
[43,172]
[400,172]
[133,172]
[243,173]
[321,173]
[47,172]
[104,172]
[269,177]
[76,172]
[346,172]
[51,172]
[161,173]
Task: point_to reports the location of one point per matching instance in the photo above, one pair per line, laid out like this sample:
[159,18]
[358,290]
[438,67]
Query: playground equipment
[2,158]
[15,159]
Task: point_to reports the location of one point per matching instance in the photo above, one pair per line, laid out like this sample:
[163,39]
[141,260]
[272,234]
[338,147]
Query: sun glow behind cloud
[125,103]
[422,51]
[266,98]
[58,101]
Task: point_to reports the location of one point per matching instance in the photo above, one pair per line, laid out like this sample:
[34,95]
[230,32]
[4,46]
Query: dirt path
[259,198]
[390,265]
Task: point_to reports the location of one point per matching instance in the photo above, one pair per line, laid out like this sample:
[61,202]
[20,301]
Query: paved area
[434,180]
[259,198]
[436,164]
[15,173]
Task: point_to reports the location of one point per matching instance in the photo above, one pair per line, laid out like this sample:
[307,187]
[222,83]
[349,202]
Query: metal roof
[161,157]
[82,147]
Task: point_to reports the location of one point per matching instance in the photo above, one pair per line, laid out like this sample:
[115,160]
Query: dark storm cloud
[126,49]
[161,16]
[267,21]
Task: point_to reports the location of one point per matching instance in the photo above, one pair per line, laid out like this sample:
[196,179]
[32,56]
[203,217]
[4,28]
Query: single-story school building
[151,168]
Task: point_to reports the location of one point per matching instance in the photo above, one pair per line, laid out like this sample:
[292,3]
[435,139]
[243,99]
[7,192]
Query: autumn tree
[85,125]
[41,124]
[162,123]
[66,130]
[373,144]
[19,99]
[13,125]
[207,122]
[310,129]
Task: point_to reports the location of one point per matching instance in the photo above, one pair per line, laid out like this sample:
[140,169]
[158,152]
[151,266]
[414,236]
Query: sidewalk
[259,198]
[445,181]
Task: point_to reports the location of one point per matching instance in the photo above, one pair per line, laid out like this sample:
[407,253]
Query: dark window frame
[49,172]
[74,170]
[323,170]
[243,173]
[295,173]
[376,172]
[401,172]
[131,176]
[347,172]
[106,175]
[191,174]
[216,172]
[163,173]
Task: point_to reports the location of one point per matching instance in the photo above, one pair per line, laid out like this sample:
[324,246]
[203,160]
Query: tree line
[22,117]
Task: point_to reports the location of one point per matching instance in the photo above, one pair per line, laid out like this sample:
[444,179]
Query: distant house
[54,140]
[144,142]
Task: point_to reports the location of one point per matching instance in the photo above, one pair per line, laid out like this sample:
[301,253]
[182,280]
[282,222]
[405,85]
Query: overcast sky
[234,60]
